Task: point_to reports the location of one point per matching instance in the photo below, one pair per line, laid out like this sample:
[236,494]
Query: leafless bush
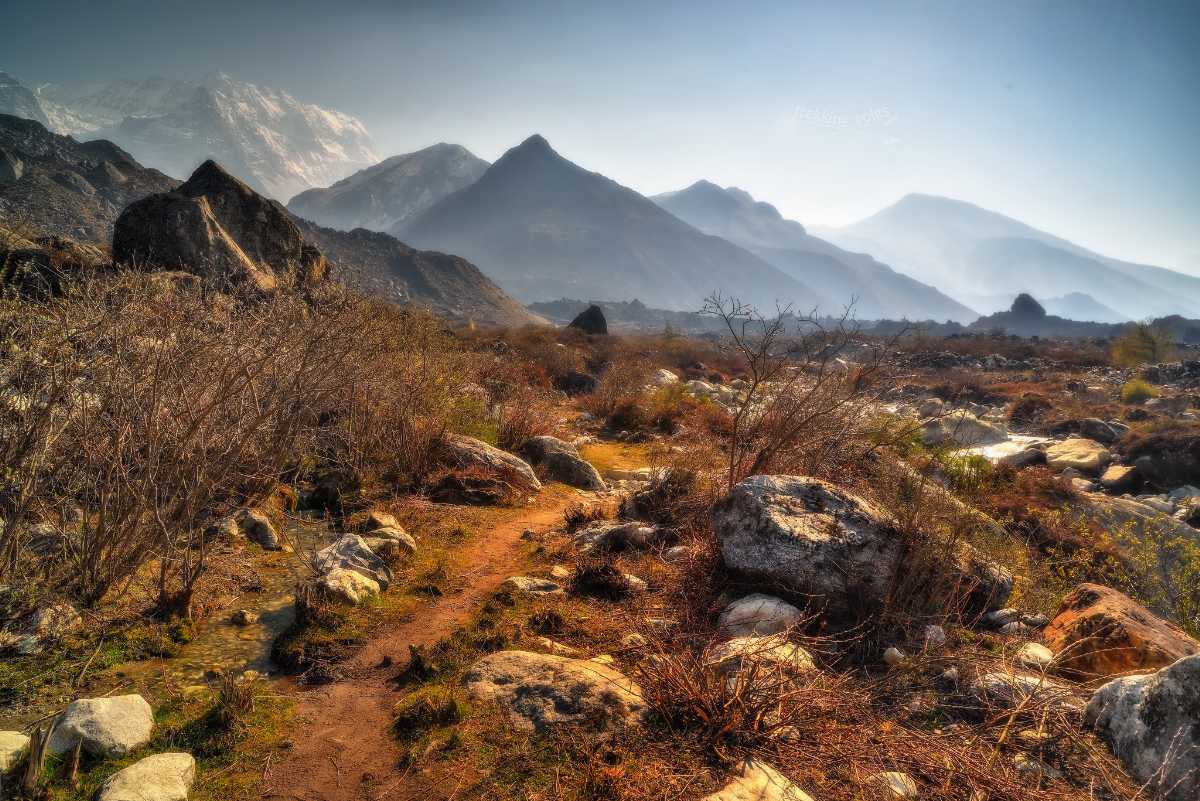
[134,413]
[619,393]
[805,409]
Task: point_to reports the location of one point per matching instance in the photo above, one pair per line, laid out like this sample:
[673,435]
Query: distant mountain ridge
[544,228]
[968,251]
[278,144]
[877,291]
[383,196]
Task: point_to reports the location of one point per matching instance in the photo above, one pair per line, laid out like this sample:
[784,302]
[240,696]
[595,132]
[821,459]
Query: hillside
[53,184]
[968,252]
[544,228]
[876,290]
[381,265]
[381,197]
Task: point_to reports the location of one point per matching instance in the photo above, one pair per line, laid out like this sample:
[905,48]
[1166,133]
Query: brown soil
[343,745]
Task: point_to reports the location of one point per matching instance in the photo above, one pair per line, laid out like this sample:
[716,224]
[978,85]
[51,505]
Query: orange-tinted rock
[1099,631]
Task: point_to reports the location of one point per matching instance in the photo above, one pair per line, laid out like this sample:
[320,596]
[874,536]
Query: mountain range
[978,256]
[544,228]
[279,145]
[875,290]
[388,194]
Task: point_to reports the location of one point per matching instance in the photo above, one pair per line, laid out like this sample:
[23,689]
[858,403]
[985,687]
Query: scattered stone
[243,617]
[1035,656]
[46,625]
[758,614]
[963,429]
[1120,478]
[257,527]
[893,657]
[758,781]
[377,519]
[677,553]
[898,785]
[551,647]
[351,552]
[1099,631]
[1150,723]
[13,747]
[349,585]
[563,463]
[1010,690]
[1033,771]
[662,377]
[935,636]
[632,536]
[1085,455]
[634,583]
[560,573]
[774,651]
[465,452]
[161,777]
[634,640]
[543,690]
[109,727]
[531,585]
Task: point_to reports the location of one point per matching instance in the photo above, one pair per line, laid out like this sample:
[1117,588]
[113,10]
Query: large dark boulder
[591,321]
[217,227]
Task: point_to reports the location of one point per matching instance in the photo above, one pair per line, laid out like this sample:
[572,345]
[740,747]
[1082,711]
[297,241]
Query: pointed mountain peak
[537,142]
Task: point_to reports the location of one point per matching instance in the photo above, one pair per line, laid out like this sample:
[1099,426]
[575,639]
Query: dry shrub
[619,395]
[1174,446]
[600,578]
[577,516]
[135,412]
[1142,343]
[235,700]
[805,411]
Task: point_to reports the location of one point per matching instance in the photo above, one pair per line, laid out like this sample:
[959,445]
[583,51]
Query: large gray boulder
[1152,724]
[543,690]
[810,537]
[464,452]
[562,462]
[816,539]
[352,553]
[962,429]
[215,226]
[109,727]
[161,777]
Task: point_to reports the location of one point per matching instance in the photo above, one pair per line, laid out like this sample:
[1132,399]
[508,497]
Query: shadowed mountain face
[19,100]
[545,228]
[876,290]
[388,194]
[379,264]
[972,253]
[53,184]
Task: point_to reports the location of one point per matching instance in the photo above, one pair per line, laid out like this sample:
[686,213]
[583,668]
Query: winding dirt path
[343,746]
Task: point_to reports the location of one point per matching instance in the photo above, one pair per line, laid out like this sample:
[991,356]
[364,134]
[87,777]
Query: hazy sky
[1081,118]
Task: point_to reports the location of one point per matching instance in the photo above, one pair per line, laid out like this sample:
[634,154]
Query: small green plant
[1137,390]
[427,708]
[967,472]
[1141,343]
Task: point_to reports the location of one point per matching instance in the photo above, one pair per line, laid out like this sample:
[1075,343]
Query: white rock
[349,585]
[898,785]
[109,727]
[893,656]
[1086,455]
[351,552]
[13,746]
[1150,722]
[161,777]
[531,585]
[1035,655]
[935,636]
[774,651]
[758,781]
[758,614]
[542,690]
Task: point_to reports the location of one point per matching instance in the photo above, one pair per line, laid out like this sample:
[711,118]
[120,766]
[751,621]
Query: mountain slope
[390,192]
[970,251]
[876,290]
[279,145]
[381,265]
[56,185]
[545,228]
[18,101]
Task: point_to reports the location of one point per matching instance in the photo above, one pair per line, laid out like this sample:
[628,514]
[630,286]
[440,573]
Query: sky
[1080,118]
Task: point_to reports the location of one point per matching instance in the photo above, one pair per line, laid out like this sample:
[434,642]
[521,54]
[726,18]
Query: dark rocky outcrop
[591,321]
[67,188]
[38,269]
[217,227]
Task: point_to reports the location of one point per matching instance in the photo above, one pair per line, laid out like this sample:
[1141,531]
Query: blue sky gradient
[1081,118]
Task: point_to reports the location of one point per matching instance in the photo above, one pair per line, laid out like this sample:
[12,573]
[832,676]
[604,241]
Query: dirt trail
[344,750]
